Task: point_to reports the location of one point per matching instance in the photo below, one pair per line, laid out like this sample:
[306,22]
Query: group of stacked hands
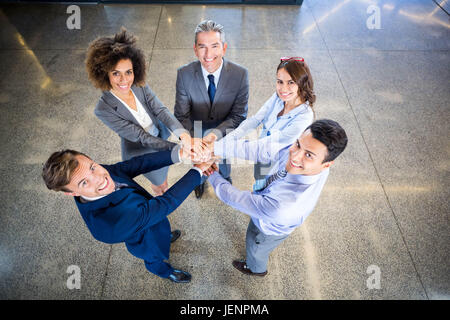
[200,151]
[283,197]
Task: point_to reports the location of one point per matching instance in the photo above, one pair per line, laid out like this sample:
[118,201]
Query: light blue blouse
[283,130]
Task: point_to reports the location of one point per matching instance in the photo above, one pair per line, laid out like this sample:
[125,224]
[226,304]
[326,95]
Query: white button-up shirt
[216,75]
[140,115]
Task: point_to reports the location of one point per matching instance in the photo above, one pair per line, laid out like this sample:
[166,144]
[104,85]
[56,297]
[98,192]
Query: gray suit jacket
[134,139]
[230,104]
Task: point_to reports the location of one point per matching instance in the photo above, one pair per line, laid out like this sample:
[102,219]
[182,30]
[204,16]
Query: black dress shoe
[199,190]
[175,235]
[179,276]
[229,180]
[242,267]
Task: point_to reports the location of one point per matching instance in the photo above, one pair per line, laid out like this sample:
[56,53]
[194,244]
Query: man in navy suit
[116,209]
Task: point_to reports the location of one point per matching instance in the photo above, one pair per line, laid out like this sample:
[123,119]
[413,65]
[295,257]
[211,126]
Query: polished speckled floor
[385,206]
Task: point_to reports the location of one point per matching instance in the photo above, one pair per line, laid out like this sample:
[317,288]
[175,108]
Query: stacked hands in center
[200,151]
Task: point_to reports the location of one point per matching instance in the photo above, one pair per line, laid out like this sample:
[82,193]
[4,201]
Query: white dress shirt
[140,115]
[216,75]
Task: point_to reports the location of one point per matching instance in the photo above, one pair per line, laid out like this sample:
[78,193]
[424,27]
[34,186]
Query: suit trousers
[224,166]
[157,177]
[259,246]
[159,267]
[153,246]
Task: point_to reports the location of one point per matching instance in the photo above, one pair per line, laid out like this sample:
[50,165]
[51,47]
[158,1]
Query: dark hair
[300,73]
[105,52]
[332,135]
[59,168]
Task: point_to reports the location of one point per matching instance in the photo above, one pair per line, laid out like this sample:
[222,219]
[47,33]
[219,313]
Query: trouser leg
[259,246]
[160,268]
[225,169]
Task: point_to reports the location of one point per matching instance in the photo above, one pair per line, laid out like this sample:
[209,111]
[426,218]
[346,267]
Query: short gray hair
[209,25]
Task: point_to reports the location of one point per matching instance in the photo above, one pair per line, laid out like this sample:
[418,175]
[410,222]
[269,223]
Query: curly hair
[104,53]
[299,72]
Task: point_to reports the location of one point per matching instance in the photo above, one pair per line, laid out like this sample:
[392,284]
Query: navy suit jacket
[134,216]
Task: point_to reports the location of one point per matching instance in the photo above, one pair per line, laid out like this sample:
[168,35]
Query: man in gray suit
[212,93]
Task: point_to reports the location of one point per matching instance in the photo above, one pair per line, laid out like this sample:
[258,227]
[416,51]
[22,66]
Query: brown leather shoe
[242,267]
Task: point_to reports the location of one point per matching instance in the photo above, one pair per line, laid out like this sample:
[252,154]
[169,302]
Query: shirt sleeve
[251,123]
[293,130]
[255,205]
[198,170]
[261,150]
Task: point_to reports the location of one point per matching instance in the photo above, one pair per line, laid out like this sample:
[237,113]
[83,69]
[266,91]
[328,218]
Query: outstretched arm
[149,162]
[255,205]
[262,151]
[149,212]
[130,131]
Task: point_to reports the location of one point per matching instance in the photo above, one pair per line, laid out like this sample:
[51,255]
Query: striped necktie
[277,175]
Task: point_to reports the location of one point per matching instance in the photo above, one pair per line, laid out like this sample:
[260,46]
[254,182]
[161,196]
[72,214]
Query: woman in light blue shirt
[286,114]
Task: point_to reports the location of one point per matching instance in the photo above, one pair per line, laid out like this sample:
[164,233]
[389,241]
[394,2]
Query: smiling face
[287,89]
[306,156]
[210,50]
[90,179]
[121,77]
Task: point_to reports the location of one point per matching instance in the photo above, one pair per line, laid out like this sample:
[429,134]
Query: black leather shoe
[179,276]
[175,235]
[242,267]
[199,190]
[229,180]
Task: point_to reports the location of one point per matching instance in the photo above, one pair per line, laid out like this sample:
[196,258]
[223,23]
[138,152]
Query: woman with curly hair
[287,113]
[127,105]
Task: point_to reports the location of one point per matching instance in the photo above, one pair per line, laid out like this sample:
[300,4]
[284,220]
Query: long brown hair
[300,73]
